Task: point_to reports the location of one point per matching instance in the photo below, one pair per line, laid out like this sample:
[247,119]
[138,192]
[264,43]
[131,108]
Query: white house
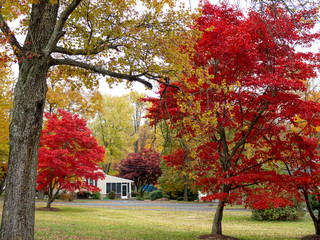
[121,186]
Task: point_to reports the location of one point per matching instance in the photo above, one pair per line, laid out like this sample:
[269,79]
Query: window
[92,182]
[118,188]
[108,187]
[114,187]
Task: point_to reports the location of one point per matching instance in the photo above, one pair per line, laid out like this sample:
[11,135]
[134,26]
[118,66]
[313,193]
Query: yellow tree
[137,116]
[61,95]
[6,83]
[113,127]
[121,39]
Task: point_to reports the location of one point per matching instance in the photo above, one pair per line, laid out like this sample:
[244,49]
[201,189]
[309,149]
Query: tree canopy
[232,125]
[68,155]
[113,127]
[142,167]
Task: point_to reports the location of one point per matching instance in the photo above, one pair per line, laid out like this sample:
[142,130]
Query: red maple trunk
[216,226]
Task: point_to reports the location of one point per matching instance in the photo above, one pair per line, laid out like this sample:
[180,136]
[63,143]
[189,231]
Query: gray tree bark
[25,129]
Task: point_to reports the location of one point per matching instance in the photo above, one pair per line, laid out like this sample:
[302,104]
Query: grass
[74,222]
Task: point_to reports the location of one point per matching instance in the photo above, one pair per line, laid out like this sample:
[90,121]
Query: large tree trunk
[216,226]
[25,129]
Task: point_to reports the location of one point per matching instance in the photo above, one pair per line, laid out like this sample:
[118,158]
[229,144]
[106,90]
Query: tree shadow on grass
[311,237]
[216,237]
[48,209]
[65,209]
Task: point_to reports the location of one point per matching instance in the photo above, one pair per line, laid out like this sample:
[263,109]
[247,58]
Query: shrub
[147,195]
[83,194]
[134,194]
[156,195]
[68,196]
[178,195]
[164,195]
[112,195]
[96,195]
[73,196]
[287,213]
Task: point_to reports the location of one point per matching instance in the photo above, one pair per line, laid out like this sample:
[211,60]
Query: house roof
[114,179]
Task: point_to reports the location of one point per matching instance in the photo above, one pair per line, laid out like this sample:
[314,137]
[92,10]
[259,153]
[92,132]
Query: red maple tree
[235,123]
[142,167]
[68,155]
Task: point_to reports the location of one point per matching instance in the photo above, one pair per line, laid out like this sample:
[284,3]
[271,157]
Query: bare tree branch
[101,70]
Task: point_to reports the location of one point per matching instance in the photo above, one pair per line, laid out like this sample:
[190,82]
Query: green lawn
[105,223]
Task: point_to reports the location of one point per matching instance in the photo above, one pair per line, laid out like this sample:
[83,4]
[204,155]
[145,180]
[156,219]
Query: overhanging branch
[100,70]
[84,52]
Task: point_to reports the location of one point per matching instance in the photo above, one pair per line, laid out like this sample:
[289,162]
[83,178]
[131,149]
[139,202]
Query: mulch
[48,209]
[216,237]
[311,237]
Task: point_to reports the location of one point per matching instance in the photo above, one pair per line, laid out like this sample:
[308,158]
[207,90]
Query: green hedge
[83,194]
[156,195]
[112,195]
[286,213]
[96,195]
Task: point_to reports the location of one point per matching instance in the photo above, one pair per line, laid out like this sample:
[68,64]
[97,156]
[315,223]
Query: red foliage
[68,154]
[254,97]
[142,167]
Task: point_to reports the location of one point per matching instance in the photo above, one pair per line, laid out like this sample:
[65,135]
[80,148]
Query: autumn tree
[142,167]
[68,155]
[113,127]
[235,121]
[62,95]
[84,39]
[138,107]
[172,181]
[171,130]
[6,84]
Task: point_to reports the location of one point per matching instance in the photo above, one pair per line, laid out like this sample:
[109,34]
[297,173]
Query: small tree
[142,167]
[68,155]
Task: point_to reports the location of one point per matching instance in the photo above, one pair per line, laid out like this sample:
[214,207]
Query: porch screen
[114,187]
